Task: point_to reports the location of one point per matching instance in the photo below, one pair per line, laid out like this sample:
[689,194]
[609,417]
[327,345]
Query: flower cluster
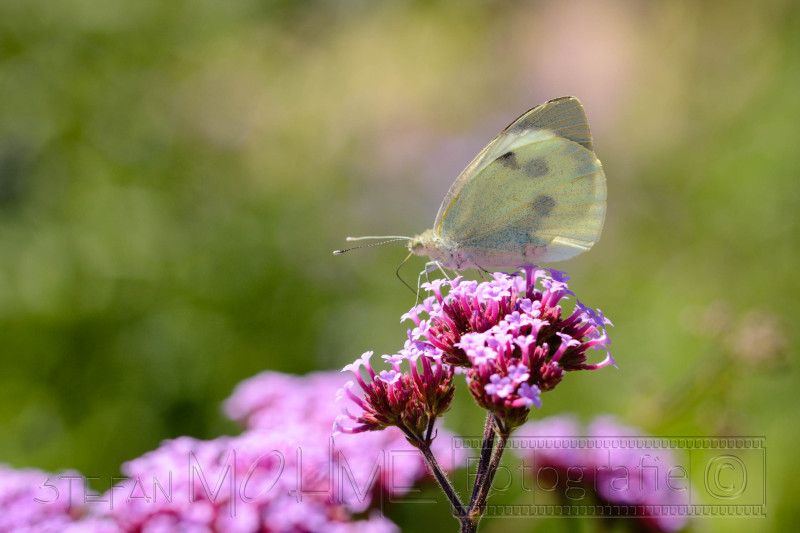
[33,500]
[301,406]
[510,336]
[410,400]
[605,462]
[258,481]
[284,473]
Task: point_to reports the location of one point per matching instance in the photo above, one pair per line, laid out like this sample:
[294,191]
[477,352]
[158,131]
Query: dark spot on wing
[536,168]
[509,159]
[543,204]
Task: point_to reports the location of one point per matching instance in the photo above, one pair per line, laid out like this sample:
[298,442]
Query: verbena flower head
[33,500]
[301,407]
[284,474]
[510,335]
[238,484]
[408,399]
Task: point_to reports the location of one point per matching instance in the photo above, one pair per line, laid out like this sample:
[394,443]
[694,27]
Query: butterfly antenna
[397,273]
[392,238]
[395,237]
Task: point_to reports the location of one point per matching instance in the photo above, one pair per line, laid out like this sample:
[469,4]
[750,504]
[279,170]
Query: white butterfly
[536,193]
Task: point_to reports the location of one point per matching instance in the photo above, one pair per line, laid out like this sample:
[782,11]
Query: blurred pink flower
[284,473]
[638,482]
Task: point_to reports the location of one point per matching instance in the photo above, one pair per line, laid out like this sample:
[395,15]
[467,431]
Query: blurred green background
[174,176]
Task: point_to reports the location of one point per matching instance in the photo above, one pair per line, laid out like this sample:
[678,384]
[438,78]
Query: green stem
[486,454]
[459,511]
[478,505]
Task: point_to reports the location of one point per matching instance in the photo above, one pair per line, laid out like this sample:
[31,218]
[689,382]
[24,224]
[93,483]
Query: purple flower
[566,343]
[530,308]
[33,500]
[518,373]
[528,396]
[421,330]
[554,440]
[494,328]
[394,360]
[301,408]
[389,376]
[472,341]
[250,482]
[616,470]
[499,386]
[239,484]
[410,400]
[435,287]
[476,349]
[498,290]
[594,317]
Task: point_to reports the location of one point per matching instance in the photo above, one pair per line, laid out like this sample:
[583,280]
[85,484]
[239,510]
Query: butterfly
[536,193]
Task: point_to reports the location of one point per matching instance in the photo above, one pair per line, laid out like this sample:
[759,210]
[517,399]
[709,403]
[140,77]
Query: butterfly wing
[563,116]
[541,197]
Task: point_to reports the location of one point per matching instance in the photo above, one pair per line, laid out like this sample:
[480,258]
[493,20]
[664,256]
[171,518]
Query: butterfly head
[441,251]
[423,244]
[417,243]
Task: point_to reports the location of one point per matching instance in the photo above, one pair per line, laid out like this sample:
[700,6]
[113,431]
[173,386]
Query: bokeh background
[174,176]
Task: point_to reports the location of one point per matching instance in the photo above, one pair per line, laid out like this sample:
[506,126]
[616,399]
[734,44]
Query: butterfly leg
[482,271]
[429,267]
